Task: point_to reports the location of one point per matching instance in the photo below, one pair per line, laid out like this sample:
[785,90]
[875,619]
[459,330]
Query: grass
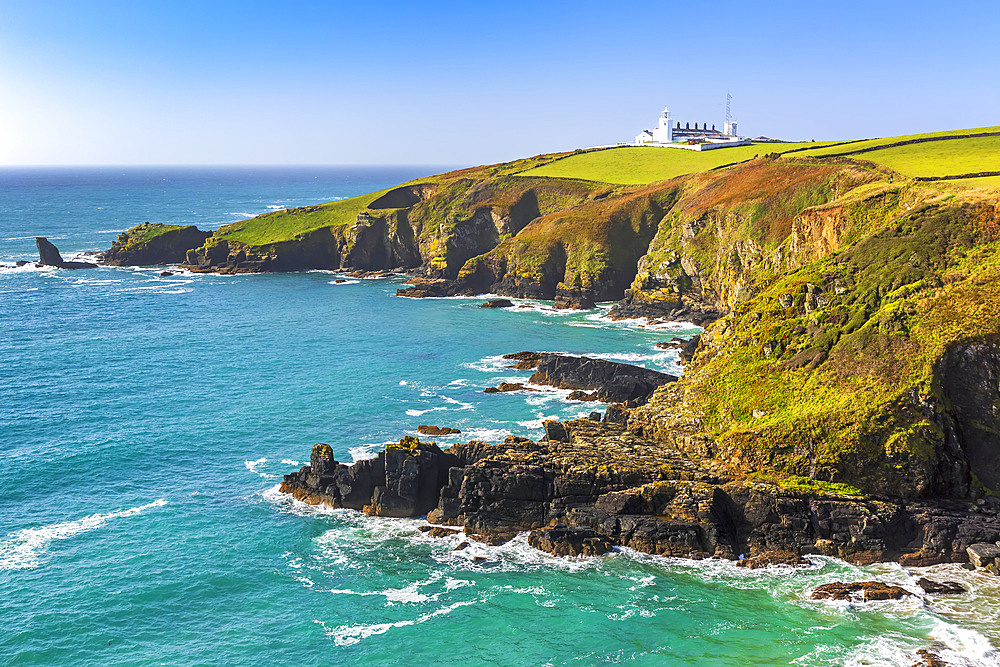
[286,224]
[941,158]
[641,165]
[150,230]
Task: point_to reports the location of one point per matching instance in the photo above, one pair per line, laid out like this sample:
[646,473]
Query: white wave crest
[348,635]
[254,467]
[23,549]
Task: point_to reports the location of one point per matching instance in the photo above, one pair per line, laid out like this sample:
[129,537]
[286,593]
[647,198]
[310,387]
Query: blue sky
[456,83]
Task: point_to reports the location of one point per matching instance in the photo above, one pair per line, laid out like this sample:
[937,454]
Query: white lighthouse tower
[663,133]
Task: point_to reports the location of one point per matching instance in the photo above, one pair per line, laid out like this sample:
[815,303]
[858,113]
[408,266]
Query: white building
[666,133]
[663,133]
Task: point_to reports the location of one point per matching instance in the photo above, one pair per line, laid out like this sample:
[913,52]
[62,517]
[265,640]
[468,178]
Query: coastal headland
[841,400]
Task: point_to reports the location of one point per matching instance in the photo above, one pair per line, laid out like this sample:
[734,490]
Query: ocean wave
[24,549]
[345,282]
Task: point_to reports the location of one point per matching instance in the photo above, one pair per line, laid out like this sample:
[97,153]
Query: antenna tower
[729,117]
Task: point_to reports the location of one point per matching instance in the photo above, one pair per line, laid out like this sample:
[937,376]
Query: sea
[146,421]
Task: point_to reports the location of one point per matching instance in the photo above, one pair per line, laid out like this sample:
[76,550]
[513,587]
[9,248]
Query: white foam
[348,635]
[417,413]
[290,462]
[23,549]
[344,281]
[365,452]
[254,467]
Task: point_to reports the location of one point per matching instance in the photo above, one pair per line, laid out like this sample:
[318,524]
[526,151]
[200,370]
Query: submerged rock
[940,587]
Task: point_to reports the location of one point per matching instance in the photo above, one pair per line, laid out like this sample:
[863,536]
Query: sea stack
[48,255]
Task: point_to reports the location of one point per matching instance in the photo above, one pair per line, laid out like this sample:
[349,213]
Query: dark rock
[614,382]
[321,459]
[505,387]
[340,280]
[580,395]
[556,430]
[21,263]
[165,274]
[616,414]
[595,416]
[940,587]
[860,591]
[689,348]
[429,287]
[773,558]
[563,541]
[672,344]
[425,429]
[497,303]
[438,531]
[49,255]
[930,658]
[577,298]
[525,360]
[462,546]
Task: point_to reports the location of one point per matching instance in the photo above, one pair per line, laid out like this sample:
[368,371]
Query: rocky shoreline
[587,486]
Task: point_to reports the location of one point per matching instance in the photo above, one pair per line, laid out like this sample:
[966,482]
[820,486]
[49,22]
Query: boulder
[859,591]
[438,531]
[563,541]
[497,303]
[580,395]
[985,555]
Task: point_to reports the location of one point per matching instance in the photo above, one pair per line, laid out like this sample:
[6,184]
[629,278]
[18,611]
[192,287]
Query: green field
[872,143]
[638,165]
[940,158]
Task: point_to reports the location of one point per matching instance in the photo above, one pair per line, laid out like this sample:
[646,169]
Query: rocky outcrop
[404,480]
[497,303]
[49,255]
[985,555]
[612,382]
[426,429]
[151,244]
[561,540]
[588,485]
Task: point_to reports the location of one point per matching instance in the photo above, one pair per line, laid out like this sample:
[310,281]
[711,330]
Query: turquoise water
[145,422]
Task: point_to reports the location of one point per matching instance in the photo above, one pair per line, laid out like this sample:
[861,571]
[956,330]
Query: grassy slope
[641,165]
[941,158]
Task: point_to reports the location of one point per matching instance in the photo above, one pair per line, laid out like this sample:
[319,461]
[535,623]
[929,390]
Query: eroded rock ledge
[588,485]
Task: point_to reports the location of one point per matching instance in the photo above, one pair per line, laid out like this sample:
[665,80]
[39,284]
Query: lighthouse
[664,131]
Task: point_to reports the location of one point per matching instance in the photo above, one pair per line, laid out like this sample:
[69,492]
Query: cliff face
[153,244]
[874,366]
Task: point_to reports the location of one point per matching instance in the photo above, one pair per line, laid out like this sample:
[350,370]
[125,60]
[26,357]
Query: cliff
[842,399]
